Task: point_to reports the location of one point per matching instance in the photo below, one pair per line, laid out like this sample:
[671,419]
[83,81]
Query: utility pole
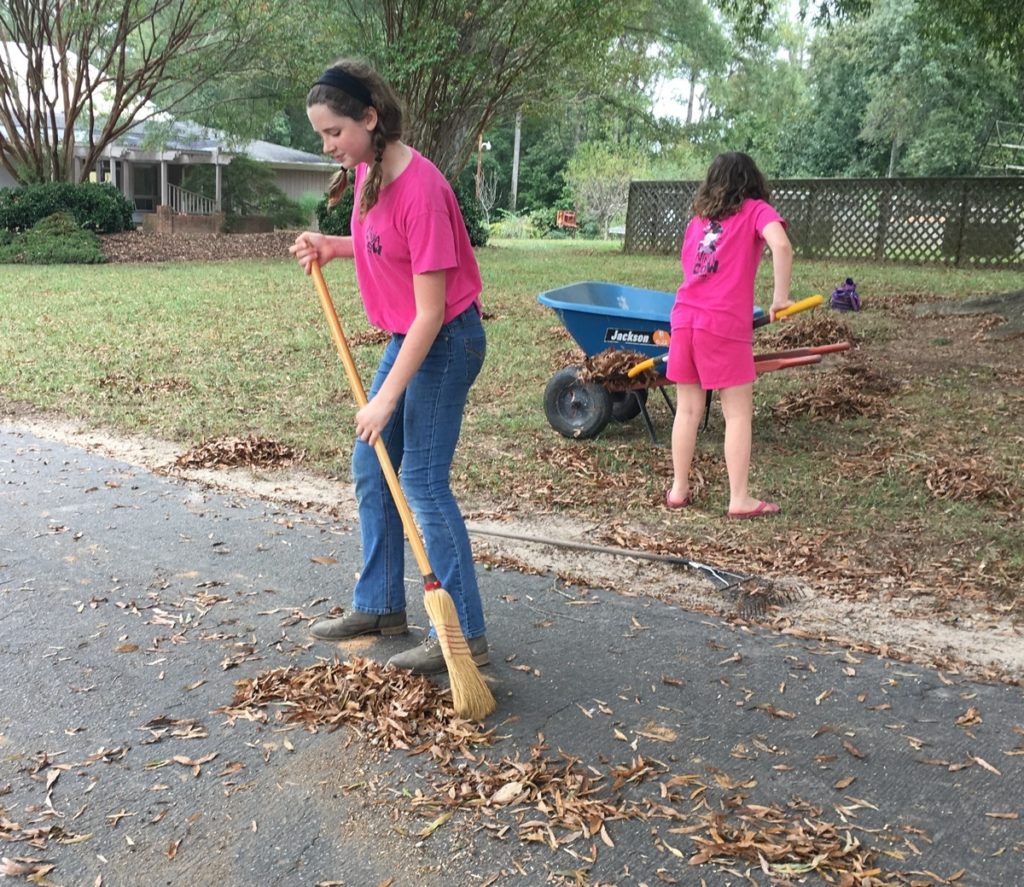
[515,160]
[479,161]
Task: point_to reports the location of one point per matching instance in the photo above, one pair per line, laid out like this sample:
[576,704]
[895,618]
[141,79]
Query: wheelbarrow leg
[647,417]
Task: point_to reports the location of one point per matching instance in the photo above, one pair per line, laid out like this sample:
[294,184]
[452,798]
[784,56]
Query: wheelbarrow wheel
[576,408]
[625,405]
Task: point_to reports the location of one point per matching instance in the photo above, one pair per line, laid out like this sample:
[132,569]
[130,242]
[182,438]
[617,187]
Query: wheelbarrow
[601,316]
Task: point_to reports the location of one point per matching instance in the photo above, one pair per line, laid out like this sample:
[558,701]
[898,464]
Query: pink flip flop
[763,509]
[674,505]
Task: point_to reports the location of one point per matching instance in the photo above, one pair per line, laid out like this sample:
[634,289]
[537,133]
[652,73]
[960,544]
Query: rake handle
[795,308]
[356,383]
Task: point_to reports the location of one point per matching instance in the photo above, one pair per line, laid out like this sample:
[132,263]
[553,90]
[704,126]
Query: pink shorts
[700,357]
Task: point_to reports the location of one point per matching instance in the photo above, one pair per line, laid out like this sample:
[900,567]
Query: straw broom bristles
[471,697]
[470,694]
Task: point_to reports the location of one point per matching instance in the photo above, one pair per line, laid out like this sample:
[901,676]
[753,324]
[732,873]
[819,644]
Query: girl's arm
[774,234]
[429,290]
[310,245]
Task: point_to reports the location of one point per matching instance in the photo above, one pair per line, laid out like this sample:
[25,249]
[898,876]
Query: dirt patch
[1006,308]
[898,622]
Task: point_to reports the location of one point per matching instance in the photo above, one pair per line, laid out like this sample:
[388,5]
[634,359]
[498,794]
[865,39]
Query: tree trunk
[894,151]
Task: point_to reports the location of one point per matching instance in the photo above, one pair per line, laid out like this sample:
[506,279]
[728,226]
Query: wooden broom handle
[411,532]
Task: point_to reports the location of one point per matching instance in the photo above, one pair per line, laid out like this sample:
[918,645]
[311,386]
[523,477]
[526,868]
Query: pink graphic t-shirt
[720,260]
[415,227]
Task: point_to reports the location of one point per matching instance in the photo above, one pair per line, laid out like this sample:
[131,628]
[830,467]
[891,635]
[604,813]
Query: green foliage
[100,208]
[511,226]
[543,221]
[599,175]
[336,221]
[248,189]
[472,214]
[57,239]
[456,67]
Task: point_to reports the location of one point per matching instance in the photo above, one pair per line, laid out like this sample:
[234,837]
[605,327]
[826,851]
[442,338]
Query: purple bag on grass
[845,297]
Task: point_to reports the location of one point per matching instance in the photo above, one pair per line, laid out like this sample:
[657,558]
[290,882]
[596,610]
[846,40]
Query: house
[149,171]
[148,163]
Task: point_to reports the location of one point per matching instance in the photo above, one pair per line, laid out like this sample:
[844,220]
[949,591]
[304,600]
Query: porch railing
[190,203]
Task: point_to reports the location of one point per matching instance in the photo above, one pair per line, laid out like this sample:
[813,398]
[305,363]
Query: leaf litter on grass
[231,452]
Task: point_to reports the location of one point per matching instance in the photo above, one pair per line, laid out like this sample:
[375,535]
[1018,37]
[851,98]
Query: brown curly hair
[388,128]
[732,178]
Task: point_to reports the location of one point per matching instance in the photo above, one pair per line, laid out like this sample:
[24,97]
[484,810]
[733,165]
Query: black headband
[344,81]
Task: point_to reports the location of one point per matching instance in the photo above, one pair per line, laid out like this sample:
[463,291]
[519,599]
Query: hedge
[95,207]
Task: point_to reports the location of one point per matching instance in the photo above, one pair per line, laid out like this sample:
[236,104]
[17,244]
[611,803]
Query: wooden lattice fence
[966,222]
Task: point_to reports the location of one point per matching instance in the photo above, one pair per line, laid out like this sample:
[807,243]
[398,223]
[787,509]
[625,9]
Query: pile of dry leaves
[391,707]
[846,391]
[611,367]
[822,329]
[138,246]
[965,478]
[787,844]
[230,452]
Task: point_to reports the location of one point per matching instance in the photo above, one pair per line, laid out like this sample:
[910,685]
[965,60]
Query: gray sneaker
[428,657]
[355,623]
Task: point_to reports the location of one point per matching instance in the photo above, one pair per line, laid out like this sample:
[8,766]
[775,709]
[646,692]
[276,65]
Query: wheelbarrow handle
[795,308]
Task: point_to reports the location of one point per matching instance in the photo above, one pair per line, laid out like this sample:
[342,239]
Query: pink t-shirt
[415,227]
[720,260]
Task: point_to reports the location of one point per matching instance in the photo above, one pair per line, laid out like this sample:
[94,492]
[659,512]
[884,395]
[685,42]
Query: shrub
[96,207]
[57,239]
[336,221]
[514,227]
[543,221]
[472,214]
[102,208]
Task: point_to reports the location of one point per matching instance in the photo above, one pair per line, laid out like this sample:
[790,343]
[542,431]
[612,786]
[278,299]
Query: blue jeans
[421,437]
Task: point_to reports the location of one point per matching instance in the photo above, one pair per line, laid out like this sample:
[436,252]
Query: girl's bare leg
[738,409]
[689,411]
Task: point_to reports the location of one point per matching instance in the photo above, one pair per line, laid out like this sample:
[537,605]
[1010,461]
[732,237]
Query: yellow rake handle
[802,305]
[795,308]
[356,383]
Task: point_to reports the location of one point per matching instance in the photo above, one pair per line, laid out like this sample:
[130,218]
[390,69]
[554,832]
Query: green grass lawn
[189,352]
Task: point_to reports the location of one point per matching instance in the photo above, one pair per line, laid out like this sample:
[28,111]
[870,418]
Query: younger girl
[419,281]
[712,320]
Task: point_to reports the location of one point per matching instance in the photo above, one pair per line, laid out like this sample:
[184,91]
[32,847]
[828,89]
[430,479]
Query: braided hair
[369,84]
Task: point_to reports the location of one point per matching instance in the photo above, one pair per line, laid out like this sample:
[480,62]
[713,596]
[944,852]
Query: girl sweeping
[419,281]
[712,331]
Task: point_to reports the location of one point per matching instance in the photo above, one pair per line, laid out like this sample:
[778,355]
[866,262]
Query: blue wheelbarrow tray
[602,315]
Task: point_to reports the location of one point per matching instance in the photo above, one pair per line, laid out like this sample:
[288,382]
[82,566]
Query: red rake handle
[783,363]
[803,352]
[356,383]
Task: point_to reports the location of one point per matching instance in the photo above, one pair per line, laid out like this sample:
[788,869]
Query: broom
[471,696]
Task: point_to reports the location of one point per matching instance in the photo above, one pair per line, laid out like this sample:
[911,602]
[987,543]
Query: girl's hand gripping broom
[471,696]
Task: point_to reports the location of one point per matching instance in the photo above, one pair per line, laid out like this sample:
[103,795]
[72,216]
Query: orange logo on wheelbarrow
[661,337]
